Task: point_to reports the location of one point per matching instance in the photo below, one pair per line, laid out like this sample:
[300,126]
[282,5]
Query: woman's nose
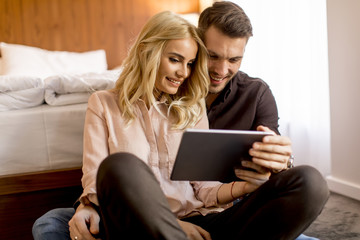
[183,71]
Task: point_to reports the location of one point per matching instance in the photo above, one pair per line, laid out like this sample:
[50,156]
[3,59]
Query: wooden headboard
[82,25]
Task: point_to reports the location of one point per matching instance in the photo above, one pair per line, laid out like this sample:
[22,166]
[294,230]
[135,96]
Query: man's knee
[313,182]
[314,191]
[53,224]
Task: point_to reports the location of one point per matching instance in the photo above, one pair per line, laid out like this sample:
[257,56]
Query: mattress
[41,138]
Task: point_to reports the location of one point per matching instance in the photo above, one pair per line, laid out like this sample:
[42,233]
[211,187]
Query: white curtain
[289,51]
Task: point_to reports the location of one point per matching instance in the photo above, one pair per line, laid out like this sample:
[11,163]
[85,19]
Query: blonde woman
[137,128]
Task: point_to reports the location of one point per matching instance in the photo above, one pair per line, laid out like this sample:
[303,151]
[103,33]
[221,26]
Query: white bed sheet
[41,138]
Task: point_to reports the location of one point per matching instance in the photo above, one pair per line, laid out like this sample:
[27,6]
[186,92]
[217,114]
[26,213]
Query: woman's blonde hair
[141,66]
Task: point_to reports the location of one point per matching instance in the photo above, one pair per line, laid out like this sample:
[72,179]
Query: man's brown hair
[227,17]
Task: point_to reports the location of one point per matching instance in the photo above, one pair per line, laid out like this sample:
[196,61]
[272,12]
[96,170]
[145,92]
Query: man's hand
[84,216]
[194,232]
[273,152]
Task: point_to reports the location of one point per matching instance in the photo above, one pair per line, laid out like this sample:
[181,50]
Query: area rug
[339,220]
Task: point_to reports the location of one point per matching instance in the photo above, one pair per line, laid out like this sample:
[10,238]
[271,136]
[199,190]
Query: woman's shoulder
[103,97]
[105,93]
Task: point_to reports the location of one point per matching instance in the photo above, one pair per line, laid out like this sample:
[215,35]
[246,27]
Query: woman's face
[175,64]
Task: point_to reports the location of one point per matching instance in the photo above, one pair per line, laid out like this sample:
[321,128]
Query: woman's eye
[190,64]
[174,60]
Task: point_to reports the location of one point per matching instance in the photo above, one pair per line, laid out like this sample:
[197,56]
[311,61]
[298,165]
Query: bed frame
[66,25]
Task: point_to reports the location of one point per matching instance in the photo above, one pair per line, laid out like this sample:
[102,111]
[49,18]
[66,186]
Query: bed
[54,54]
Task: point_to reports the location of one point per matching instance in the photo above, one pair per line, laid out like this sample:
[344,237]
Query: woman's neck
[158,94]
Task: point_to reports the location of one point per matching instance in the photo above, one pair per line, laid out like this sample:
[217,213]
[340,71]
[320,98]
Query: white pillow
[32,61]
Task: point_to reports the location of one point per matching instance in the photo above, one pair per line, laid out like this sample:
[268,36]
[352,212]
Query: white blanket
[76,88]
[18,92]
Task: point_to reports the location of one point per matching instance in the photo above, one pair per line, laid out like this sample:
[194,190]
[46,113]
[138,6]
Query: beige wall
[344,74]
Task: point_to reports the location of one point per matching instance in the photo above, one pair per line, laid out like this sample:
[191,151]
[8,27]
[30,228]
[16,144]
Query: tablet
[212,155]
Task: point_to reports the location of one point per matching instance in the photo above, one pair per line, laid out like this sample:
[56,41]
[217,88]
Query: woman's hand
[194,232]
[253,175]
[84,223]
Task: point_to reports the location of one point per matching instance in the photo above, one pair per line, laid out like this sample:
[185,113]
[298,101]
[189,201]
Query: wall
[82,25]
[344,74]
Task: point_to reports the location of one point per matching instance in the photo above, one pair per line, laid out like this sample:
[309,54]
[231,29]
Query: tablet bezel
[212,154]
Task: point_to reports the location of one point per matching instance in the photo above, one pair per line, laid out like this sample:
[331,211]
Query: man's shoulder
[243,80]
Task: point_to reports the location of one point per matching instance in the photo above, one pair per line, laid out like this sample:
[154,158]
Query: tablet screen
[212,155]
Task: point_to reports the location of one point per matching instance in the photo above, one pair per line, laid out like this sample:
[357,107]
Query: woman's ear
[141,55]
[141,48]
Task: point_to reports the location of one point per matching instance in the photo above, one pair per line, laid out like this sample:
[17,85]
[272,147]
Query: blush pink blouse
[151,139]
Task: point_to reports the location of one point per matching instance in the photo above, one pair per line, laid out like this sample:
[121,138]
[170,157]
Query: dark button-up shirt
[244,104]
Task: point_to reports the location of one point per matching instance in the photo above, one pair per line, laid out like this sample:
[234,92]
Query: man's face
[225,57]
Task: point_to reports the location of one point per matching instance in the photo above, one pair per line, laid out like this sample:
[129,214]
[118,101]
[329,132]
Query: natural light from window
[289,51]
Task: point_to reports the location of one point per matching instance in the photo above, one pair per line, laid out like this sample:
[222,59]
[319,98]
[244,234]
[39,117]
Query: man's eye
[234,60]
[213,57]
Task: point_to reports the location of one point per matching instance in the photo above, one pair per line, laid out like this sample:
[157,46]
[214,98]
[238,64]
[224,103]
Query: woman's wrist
[231,190]
[237,189]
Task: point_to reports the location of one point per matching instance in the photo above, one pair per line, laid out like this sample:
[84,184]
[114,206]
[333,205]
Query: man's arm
[267,112]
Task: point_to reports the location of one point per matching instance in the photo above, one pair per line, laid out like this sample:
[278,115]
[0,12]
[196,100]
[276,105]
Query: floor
[339,220]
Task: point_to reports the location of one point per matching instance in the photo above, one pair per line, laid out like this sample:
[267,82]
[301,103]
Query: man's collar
[228,88]
[223,95]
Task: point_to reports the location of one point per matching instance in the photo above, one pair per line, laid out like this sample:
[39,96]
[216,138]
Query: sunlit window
[289,51]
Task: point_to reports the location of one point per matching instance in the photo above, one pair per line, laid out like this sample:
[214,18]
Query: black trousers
[132,205]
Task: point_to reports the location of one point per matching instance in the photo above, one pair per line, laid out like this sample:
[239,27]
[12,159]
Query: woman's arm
[85,222]
[253,177]
[96,147]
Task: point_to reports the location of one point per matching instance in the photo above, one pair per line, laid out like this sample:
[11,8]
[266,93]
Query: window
[289,52]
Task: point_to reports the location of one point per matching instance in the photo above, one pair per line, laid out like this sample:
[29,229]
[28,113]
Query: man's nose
[221,67]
